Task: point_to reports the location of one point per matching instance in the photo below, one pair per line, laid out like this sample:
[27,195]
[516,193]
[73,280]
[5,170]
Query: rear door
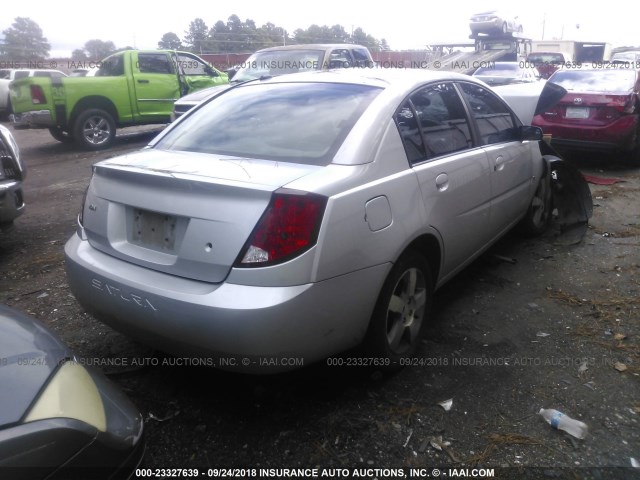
[509,158]
[454,176]
[155,83]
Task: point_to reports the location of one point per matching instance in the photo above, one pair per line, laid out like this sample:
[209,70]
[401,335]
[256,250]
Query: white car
[494,22]
[7,75]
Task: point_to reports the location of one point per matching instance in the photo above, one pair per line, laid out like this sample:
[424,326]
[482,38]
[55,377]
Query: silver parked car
[292,218]
[494,22]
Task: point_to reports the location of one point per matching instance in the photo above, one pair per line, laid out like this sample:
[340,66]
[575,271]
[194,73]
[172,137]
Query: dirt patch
[552,329]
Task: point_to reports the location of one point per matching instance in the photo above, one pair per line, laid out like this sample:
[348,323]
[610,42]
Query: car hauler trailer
[484,50]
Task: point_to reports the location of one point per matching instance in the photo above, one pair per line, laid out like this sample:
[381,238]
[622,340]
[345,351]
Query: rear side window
[295,122]
[20,74]
[493,117]
[433,123]
[111,67]
[409,128]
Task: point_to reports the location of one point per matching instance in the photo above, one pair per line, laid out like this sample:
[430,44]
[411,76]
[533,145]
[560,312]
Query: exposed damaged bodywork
[570,194]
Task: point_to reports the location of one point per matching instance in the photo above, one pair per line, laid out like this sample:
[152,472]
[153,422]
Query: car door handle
[499,163]
[143,81]
[442,182]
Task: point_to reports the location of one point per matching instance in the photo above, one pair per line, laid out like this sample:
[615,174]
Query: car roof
[381,77]
[396,83]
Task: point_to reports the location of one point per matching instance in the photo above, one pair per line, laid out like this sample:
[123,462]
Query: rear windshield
[279,62]
[595,80]
[545,58]
[292,122]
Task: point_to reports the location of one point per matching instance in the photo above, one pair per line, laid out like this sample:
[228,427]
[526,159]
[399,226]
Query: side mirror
[529,133]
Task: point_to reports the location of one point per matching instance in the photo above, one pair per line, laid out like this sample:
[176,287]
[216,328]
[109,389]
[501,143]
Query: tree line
[237,36]
[25,40]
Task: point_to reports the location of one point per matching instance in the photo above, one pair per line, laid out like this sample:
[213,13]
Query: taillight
[288,227]
[37,95]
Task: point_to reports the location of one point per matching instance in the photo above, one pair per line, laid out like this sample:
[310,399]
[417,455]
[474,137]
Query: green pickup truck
[131,87]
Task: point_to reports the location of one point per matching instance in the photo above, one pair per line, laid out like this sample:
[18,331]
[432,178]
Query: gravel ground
[532,323]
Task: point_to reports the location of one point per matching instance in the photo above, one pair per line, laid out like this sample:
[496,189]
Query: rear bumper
[567,144]
[34,119]
[620,135]
[244,328]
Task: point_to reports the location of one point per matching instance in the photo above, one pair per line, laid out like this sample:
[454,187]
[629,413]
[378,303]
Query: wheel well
[94,102]
[429,246]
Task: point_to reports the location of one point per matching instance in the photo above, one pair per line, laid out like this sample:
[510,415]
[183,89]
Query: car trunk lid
[186,214]
[590,108]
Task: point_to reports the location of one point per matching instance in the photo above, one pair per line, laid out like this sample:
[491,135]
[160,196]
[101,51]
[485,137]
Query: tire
[538,216]
[94,129]
[61,135]
[401,312]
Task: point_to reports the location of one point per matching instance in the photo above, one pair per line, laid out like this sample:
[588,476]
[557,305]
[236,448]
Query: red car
[599,112]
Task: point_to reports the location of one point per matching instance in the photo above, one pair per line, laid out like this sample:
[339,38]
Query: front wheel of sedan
[538,215]
[401,312]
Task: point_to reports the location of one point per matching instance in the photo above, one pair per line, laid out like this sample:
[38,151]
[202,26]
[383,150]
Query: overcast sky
[408,24]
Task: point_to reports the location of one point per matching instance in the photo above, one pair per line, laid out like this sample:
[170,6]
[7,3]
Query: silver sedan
[290,219]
